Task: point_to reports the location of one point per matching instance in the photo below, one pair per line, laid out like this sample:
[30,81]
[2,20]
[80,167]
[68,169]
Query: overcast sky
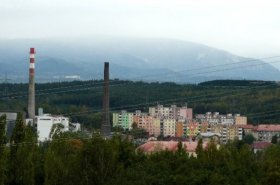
[244,27]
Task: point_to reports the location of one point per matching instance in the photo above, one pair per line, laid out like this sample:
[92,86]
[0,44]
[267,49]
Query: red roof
[268,128]
[246,126]
[156,146]
[261,145]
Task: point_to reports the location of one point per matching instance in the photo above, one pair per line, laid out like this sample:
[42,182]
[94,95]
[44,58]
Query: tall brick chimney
[106,127]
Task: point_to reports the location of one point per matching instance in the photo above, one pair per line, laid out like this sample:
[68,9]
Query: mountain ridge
[131,59]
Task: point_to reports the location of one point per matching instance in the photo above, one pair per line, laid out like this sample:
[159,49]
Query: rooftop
[247,126]
[261,145]
[10,116]
[268,128]
[156,146]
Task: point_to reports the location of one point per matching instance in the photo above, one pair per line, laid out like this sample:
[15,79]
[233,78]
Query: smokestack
[106,127]
[31,91]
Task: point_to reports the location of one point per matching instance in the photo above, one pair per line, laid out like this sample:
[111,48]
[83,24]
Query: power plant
[105,126]
[31,90]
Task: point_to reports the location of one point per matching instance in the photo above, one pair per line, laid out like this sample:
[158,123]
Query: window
[45,119]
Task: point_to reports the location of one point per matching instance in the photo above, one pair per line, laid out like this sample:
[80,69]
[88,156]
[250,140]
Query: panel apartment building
[159,121]
[227,126]
[176,121]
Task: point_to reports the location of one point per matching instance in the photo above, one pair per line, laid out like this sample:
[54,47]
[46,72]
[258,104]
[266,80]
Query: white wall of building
[45,123]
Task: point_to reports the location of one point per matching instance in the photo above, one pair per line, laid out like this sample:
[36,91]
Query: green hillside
[82,100]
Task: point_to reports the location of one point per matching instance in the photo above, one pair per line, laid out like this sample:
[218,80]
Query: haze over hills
[133,59]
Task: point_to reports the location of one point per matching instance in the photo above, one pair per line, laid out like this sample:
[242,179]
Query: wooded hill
[82,100]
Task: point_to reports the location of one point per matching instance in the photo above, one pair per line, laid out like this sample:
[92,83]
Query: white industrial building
[74,127]
[47,125]
[46,122]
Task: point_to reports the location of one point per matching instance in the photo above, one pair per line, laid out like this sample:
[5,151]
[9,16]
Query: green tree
[3,159]
[139,133]
[274,139]
[199,148]
[134,125]
[63,160]
[100,161]
[249,139]
[18,132]
[23,154]
[3,129]
[271,167]
[181,149]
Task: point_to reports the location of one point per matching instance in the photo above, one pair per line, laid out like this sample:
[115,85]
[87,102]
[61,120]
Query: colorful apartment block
[123,119]
[266,132]
[227,132]
[192,129]
[262,132]
[186,113]
[169,127]
[176,121]
[234,132]
[155,131]
[204,127]
[180,129]
[241,120]
[149,123]
[172,112]
[216,118]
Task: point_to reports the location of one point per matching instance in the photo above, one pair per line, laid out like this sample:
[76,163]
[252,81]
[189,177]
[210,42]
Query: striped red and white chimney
[31,91]
[32,61]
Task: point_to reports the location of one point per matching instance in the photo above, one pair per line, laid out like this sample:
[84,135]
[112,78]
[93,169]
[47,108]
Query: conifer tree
[3,160]
[23,154]
[18,132]
[199,148]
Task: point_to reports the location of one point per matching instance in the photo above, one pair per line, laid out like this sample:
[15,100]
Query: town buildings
[179,122]
[216,118]
[176,121]
[227,126]
[159,121]
[262,132]
[265,132]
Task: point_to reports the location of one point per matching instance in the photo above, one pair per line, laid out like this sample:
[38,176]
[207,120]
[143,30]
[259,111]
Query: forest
[74,159]
[82,100]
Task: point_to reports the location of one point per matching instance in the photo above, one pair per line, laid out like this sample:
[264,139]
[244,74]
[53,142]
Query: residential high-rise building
[240,120]
[123,119]
[192,129]
[172,112]
[169,127]
[180,132]
[148,123]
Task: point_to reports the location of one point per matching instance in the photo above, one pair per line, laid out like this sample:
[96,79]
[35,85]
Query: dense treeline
[236,83]
[74,159]
[82,100]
